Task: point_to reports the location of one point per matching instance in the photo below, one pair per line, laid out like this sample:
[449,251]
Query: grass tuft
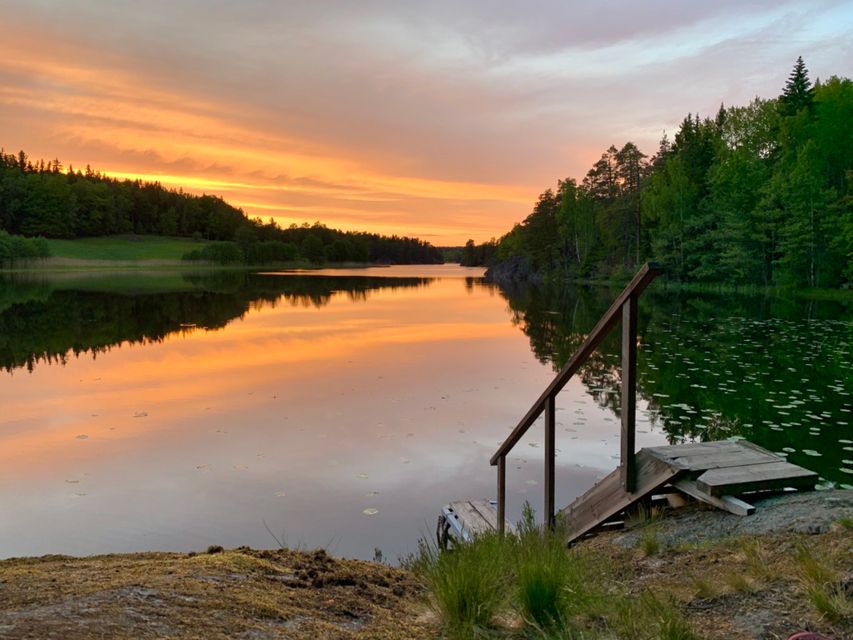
[651,618]
[740,582]
[468,583]
[649,541]
[756,559]
[704,588]
[823,586]
[546,575]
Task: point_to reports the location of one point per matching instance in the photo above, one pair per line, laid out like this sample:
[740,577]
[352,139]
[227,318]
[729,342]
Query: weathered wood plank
[608,497]
[727,503]
[734,480]
[719,460]
[472,520]
[486,511]
[676,451]
[755,447]
[501,494]
[629,394]
[550,459]
[477,516]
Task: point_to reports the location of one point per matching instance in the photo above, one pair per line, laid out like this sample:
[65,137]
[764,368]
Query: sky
[439,119]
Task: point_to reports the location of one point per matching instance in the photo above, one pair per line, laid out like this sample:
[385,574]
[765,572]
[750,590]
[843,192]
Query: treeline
[259,243]
[42,199]
[757,195]
[41,324]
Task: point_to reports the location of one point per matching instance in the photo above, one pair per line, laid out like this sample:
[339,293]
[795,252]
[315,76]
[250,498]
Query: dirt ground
[732,578]
[242,593]
[744,578]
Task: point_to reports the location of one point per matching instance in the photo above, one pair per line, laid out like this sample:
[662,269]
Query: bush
[16,247]
[271,251]
[218,252]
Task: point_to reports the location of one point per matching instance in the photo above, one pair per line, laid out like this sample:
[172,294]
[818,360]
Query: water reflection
[344,410]
[775,370]
[45,319]
[295,401]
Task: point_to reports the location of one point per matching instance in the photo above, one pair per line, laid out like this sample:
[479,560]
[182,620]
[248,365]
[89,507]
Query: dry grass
[823,581]
[729,589]
[239,593]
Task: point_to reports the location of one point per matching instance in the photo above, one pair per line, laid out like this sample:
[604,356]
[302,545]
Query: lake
[343,409]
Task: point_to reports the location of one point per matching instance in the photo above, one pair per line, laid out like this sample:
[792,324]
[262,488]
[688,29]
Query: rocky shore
[749,578]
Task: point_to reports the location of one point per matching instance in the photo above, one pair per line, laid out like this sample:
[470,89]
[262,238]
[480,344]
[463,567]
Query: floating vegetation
[783,383]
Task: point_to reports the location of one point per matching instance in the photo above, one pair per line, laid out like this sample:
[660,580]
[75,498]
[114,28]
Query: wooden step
[607,498]
[713,455]
[760,477]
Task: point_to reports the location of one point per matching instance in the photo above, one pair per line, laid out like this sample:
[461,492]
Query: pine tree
[798,92]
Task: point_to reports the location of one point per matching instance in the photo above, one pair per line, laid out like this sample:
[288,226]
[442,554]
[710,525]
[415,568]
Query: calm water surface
[344,408]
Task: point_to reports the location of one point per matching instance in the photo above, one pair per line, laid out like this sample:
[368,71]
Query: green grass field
[123,248]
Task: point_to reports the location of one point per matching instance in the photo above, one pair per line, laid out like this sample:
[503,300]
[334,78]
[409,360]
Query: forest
[757,195]
[44,200]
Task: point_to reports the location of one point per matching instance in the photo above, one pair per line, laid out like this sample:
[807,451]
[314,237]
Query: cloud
[429,116]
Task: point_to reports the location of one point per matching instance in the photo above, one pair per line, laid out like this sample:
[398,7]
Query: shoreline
[730,577]
[66,265]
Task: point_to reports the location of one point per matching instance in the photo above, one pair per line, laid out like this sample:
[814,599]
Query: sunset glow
[445,122]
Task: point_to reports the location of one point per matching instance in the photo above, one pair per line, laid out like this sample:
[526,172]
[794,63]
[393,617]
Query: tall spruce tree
[798,93]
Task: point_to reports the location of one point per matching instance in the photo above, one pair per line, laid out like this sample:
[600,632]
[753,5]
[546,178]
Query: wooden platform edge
[466,519]
[727,503]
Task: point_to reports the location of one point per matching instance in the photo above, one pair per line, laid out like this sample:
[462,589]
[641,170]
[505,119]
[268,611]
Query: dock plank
[487,512]
[472,520]
[674,451]
[722,459]
[607,498]
[776,475]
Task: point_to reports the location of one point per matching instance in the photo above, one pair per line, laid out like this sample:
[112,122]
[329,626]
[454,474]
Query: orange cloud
[122,123]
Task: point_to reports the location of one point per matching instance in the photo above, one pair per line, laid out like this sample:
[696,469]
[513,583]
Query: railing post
[550,423]
[501,494]
[629,393]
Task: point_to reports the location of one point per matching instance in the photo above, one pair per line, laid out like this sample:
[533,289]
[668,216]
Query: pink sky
[443,120]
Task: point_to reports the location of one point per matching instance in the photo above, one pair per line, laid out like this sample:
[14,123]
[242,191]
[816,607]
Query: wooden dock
[463,520]
[718,473]
[713,472]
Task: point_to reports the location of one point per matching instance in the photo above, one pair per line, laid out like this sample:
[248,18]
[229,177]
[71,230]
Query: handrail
[626,304]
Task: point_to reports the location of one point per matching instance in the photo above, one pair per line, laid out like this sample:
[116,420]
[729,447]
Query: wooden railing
[626,305]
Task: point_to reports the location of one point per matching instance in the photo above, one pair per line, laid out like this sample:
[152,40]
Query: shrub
[469,584]
[218,252]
